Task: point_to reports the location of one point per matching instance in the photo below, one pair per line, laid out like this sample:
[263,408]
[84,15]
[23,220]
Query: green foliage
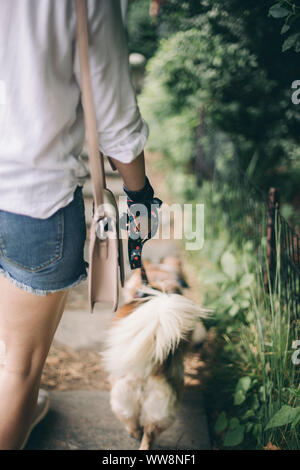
[233,301]
[241,390]
[277,11]
[235,435]
[286,415]
[244,108]
[295,392]
[290,11]
[221,423]
[253,369]
[225,58]
[258,347]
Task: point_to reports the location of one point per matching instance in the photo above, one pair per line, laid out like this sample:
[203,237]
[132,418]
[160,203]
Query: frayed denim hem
[41,292]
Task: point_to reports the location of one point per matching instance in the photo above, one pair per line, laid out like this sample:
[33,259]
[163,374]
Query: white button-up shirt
[41,119]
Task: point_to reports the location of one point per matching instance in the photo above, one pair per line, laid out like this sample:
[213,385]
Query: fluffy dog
[145,349]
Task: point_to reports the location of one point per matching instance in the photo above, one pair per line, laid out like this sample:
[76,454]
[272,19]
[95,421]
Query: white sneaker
[42,408]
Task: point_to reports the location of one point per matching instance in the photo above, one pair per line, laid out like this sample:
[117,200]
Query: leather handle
[95,156]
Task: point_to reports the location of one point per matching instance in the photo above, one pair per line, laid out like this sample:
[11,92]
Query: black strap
[135,242]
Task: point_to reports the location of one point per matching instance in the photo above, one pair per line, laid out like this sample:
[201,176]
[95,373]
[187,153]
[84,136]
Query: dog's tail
[144,338]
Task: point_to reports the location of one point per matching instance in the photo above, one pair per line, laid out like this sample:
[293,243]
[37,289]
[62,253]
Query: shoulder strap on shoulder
[95,156]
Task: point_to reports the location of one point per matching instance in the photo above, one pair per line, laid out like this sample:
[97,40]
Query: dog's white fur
[146,337]
[144,358]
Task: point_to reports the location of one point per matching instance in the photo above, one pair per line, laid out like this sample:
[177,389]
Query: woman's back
[41,119]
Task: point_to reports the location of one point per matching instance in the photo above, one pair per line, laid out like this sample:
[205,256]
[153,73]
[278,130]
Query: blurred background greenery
[218,90]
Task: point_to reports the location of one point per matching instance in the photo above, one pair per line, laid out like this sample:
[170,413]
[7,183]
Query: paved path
[82,419]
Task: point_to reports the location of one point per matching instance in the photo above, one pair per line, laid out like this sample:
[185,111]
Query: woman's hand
[142,211]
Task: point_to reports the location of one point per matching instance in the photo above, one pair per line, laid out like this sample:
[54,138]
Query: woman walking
[42,222]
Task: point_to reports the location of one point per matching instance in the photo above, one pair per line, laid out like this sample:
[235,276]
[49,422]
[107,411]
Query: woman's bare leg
[27,326]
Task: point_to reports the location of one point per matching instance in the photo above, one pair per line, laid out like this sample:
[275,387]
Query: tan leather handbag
[105,247]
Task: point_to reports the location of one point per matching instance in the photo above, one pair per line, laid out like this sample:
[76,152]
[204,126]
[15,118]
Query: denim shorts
[44,255]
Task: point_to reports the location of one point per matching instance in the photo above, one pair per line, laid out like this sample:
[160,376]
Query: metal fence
[290,266]
[253,215]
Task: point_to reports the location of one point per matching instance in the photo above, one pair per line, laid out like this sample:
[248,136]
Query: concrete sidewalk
[82,419]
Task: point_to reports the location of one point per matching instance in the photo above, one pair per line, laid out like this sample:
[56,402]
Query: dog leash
[144,276]
[136,242]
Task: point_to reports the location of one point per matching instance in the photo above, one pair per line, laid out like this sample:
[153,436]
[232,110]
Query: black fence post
[273,207]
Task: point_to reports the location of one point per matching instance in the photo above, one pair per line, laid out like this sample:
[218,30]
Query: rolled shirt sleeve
[122,131]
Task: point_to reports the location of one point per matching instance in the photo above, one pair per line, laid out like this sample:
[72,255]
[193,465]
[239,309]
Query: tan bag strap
[95,156]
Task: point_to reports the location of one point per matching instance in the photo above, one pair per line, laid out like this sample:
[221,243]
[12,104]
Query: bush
[226,61]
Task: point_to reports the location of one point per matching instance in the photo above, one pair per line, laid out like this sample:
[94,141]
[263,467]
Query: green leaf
[241,389]
[286,415]
[234,437]
[277,11]
[243,384]
[232,290]
[234,310]
[246,280]
[249,427]
[245,303]
[297,46]
[296,420]
[228,263]
[239,397]
[262,393]
[225,301]
[289,42]
[285,28]
[257,430]
[233,423]
[295,392]
[255,402]
[250,316]
[249,414]
[221,423]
